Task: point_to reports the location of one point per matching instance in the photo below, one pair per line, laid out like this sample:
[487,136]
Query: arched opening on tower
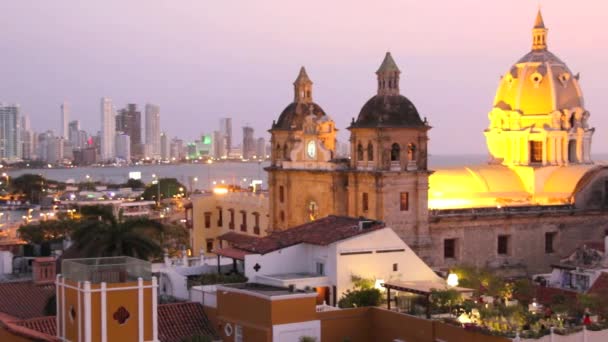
[411,152]
[536,152]
[370,151]
[572,151]
[359,152]
[395,152]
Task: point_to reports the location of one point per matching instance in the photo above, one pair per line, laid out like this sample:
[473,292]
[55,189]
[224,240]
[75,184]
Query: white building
[325,254]
[108,130]
[10,132]
[153,129]
[64,119]
[123,147]
[226,134]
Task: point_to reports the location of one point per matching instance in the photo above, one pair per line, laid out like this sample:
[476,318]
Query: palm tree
[106,236]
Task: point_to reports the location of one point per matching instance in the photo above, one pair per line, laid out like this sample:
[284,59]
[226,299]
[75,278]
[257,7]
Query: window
[536,152]
[395,267]
[231,223]
[364,202]
[449,249]
[320,268]
[411,152]
[549,242]
[359,152]
[282,216]
[220,217]
[503,244]
[281,194]
[572,150]
[404,201]
[208,219]
[238,333]
[395,151]
[256,227]
[370,151]
[209,245]
[285,152]
[243,221]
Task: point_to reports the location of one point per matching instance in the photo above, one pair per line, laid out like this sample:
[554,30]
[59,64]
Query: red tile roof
[181,320]
[600,285]
[320,232]
[545,295]
[230,252]
[176,322]
[25,299]
[237,238]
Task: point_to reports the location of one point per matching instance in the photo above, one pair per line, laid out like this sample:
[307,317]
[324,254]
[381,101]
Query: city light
[220,190]
[452,280]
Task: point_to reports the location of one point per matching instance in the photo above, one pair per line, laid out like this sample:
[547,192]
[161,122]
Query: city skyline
[450,70]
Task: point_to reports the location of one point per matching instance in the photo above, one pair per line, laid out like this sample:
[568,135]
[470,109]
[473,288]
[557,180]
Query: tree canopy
[168,187]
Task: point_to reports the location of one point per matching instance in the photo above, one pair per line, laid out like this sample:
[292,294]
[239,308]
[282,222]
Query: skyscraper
[226,132]
[26,139]
[248,143]
[73,128]
[153,129]
[260,148]
[128,121]
[108,129]
[65,117]
[165,148]
[10,132]
[123,147]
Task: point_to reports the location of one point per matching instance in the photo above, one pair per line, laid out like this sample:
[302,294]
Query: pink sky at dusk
[201,60]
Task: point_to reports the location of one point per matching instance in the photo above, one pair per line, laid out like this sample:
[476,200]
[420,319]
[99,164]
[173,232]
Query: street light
[157,182]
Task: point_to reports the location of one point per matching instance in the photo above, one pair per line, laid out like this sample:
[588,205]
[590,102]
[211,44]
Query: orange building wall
[451,333]
[390,325]
[351,323]
[293,310]
[243,308]
[7,336]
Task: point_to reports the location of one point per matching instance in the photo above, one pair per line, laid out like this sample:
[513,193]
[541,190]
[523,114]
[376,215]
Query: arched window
[278,152]
[359,152]
[395,151]
[370,151]
[285,152]
[411,152]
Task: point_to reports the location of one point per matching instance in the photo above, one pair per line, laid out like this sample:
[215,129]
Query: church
[539,195]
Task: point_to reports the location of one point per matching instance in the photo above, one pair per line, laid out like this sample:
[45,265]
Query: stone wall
[477,239]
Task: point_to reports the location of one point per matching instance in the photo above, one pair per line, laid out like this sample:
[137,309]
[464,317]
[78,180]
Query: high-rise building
[177,149]
[153,129]
[10,132]
[128,121]
[226,132]
[248,143]
[65,117]
[260,148]
[54,150]
[26,138]
[217,145]
[73,130]
[165,149]
[123,147]
[108,130]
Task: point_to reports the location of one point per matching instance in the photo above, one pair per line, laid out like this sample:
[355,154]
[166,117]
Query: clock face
[311,149]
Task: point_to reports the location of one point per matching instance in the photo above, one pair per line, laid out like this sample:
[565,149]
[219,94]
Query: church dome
[294,114]
[539,83]
[388,111]
[302,106]
[388,108]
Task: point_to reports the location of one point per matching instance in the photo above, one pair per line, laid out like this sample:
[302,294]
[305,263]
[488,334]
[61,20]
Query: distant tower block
[107,299]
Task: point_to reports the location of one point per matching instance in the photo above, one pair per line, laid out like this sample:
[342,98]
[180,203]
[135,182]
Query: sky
[201,60]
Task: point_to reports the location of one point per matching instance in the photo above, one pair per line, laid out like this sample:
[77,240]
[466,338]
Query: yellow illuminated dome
[539,83]
[538,117]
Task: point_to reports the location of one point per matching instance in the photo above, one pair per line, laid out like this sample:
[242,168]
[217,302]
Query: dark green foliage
[215,278]
[445,300]
[108,237]
[360,298]
[30,186]
[134,184]
[169,187]
[47,231]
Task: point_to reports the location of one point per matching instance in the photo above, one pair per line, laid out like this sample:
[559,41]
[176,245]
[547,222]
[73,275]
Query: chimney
[44,270]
